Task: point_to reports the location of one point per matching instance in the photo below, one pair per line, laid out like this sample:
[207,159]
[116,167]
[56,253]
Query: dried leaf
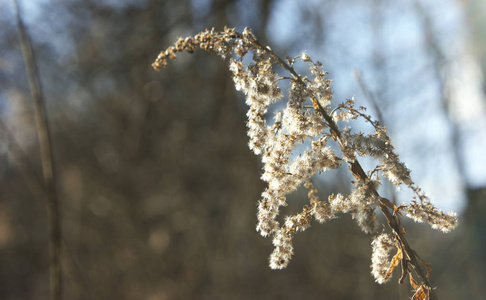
[334,135]
[354,173]
[315,103]
[421,294]
[413,283]
[405,271]
[357,171]
[428,266]
[394,263]
[390,205]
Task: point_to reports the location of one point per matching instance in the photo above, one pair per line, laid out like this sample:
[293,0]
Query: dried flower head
[298,126]
[382,246]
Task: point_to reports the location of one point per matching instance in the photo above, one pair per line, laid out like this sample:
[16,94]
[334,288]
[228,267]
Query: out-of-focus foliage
[156,181]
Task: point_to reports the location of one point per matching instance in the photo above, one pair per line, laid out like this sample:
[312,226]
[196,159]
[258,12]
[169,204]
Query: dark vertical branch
[439,60]
[46,158]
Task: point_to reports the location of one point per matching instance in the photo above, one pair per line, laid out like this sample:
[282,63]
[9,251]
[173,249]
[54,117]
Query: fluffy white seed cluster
[259,83]
[285,172]
[361,204]
[282,240]
[428,213]
[364,199]
[295,147]
[321,210]
[382,246]
[295,124]
[282,254]
[376,144]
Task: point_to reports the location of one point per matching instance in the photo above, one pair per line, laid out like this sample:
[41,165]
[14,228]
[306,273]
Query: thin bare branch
[54,218]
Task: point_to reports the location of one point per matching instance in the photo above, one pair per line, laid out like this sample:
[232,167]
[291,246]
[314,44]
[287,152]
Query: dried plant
[308,118]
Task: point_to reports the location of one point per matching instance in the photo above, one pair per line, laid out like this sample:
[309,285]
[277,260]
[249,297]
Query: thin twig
[369,95]
[54,218]
[20,159]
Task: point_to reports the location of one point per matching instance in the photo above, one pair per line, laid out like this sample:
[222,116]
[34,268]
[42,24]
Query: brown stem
[54,219]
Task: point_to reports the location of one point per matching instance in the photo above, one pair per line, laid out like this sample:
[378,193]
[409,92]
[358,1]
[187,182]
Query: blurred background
[157,186]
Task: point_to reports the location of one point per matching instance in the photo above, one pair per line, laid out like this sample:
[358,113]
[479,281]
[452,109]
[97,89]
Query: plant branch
[259,85]
[392,219]
[53,214]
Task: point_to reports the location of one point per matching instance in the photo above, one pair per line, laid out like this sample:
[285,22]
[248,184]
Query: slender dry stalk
[20,159]
[52,202]
[284,172]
